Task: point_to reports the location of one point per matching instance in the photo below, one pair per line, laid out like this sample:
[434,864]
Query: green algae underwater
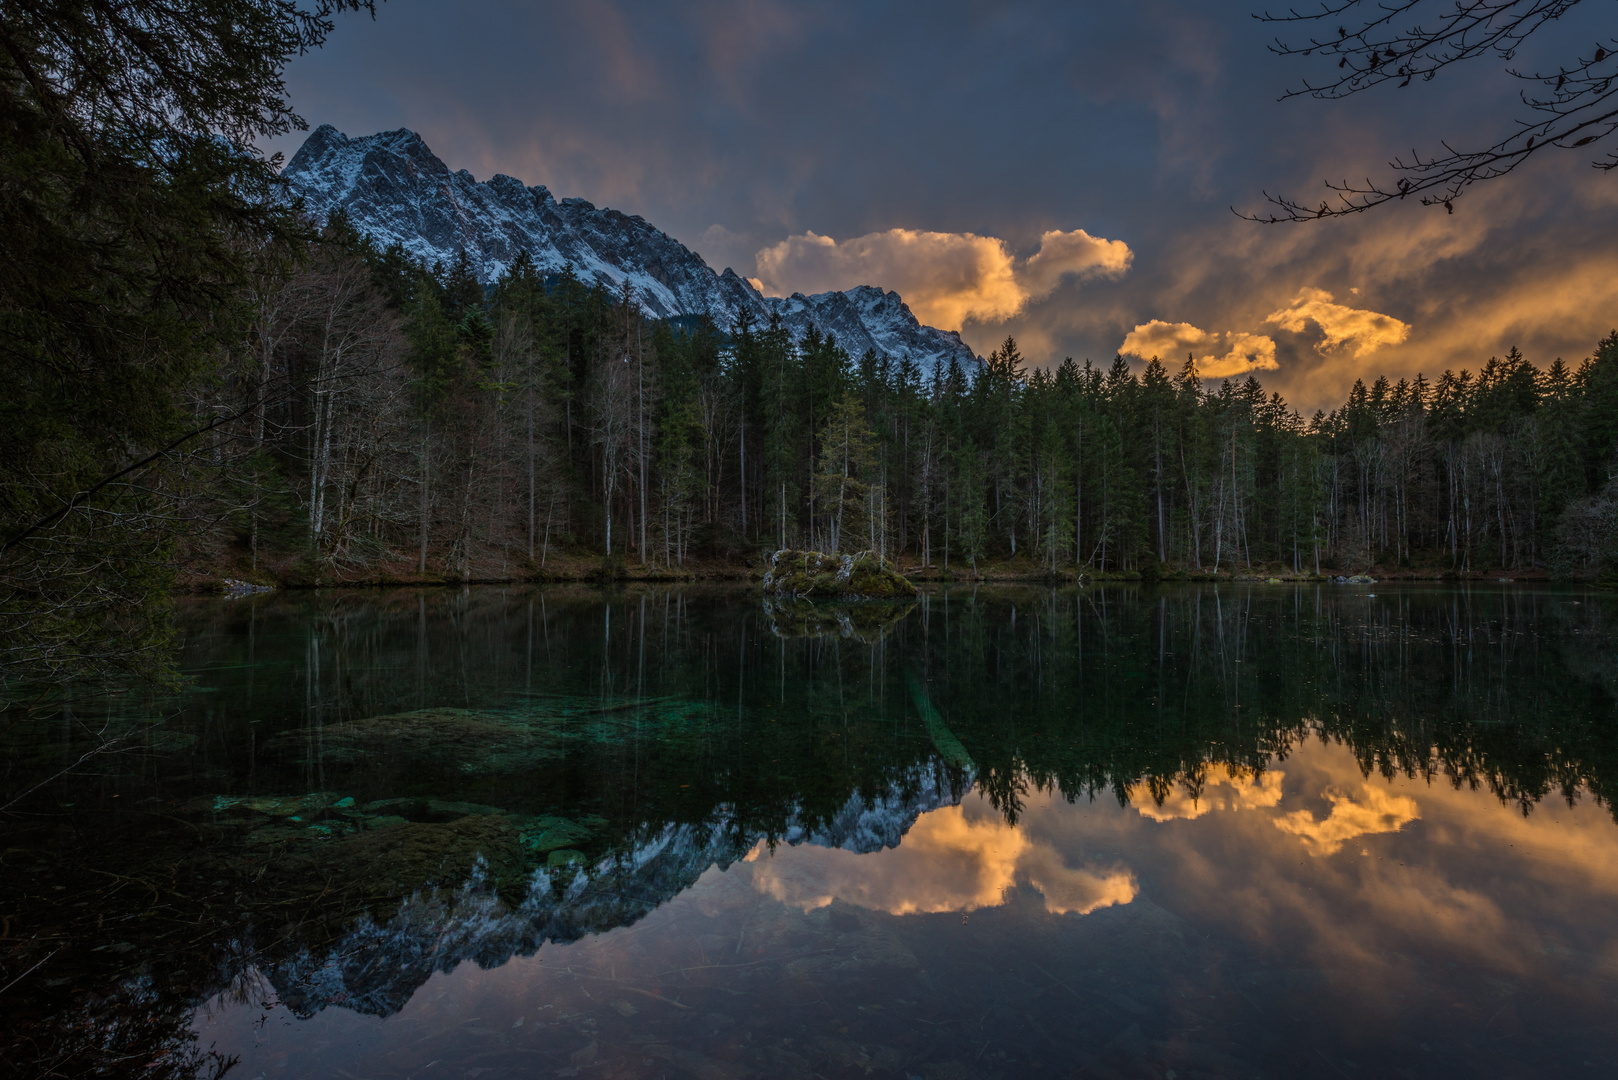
[364,794]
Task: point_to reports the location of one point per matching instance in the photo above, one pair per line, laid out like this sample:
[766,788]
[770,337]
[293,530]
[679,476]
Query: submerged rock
[815,575]
[949,747]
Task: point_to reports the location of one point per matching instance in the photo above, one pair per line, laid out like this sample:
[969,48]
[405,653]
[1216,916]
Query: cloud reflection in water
[1235,792]
[1372,811]
[956,858]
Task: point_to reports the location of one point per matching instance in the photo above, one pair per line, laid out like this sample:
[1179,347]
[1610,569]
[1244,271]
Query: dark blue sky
[976,129]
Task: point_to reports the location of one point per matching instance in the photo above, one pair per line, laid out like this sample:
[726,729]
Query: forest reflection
[1135,691]
[393,782]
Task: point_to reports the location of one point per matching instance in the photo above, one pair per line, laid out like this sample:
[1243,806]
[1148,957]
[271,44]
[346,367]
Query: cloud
[1077,254]
[1222,355]
[1069,891]
[1375,811]
[1236,352]
[1232,793]
[949,861]
[1343,327]
[946,278]
[692,115]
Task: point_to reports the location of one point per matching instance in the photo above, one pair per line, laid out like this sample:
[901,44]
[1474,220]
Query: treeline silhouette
[476,432]
[197,380]
[363,417]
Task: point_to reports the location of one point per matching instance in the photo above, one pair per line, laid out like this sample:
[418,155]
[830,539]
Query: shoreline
[576,571]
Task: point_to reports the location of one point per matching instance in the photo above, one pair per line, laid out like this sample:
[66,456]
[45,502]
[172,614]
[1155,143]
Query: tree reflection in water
[365,788]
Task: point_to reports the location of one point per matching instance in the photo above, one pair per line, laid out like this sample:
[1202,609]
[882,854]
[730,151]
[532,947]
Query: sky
[1063,173]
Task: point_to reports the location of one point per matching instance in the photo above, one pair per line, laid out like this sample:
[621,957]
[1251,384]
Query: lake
[1174,832]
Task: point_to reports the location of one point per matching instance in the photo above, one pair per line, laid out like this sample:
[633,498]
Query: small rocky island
[815,575]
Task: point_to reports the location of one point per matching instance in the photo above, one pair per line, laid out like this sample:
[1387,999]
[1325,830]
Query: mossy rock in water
[815,575]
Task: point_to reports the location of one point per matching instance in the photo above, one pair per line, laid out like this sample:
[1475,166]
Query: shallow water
[1268,831]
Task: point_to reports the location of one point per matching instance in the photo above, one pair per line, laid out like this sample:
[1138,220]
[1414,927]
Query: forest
[199,382]
[389,417]
[361,417]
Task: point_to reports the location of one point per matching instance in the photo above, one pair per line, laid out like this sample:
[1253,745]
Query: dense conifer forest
[359,417]
[197,382]
[401,417]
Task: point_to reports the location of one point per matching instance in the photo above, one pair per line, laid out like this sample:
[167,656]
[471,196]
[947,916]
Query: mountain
[377,966]
[396,191]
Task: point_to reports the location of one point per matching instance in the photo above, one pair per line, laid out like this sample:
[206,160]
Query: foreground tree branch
[1574,106]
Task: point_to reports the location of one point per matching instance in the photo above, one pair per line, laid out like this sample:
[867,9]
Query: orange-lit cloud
[1069,891]
[1218,355]
[949,861]
[1072,254]
[947,278]
[1343,330]
[1229,793]
[1340,326]
[1373,811]
[695,115]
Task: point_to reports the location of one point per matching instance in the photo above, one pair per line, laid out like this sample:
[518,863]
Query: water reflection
[1233,950]
[1365,811]
[866,621]
[1271,830]
[1234,790]
[957,858]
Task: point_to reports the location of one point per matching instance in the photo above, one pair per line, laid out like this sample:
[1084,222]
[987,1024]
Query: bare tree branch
[1573,106]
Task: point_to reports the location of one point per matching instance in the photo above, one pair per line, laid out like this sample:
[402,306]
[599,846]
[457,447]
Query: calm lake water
[1266,831]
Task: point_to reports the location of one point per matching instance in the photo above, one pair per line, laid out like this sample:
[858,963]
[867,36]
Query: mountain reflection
[364,789]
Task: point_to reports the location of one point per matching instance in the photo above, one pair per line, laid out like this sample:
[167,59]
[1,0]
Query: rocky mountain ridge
[377,966]
[397,191]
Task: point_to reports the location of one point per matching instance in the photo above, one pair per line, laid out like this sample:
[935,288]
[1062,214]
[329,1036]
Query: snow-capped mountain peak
[397,191]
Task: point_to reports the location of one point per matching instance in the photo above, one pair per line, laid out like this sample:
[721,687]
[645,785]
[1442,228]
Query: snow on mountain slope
[395,190]
[377,966]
